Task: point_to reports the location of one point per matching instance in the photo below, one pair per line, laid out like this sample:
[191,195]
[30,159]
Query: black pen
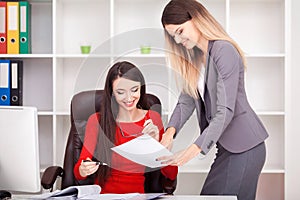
[96,162]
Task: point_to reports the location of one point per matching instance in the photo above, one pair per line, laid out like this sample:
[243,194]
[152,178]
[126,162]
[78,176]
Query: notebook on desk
[92,192]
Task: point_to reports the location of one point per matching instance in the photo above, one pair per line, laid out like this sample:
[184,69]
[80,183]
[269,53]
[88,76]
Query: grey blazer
[225,116]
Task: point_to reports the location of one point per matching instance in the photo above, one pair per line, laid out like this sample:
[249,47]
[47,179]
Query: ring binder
[4,82]
[13,27]
[25,26]
[16,83]
[3,34]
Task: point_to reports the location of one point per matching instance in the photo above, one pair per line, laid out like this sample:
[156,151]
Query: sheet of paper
[127,196]
[111,196]
[143,150]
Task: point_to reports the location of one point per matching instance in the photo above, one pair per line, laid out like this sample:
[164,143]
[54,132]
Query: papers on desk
[72,192]
[128,196]
[143,150]
[92,192]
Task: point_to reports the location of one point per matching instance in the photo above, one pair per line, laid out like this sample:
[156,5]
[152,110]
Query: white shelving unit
[56,70]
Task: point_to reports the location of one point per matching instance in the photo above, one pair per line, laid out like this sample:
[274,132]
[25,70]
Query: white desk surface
[167,197]
[198,197]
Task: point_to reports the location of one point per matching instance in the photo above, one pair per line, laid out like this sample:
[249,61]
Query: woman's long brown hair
[109,111]
[188,62]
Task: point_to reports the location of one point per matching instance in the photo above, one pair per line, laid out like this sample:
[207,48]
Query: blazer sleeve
[182,112]
[227,62]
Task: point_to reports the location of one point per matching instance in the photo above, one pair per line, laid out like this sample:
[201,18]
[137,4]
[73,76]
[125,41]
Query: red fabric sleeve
[89,145]
[169,171]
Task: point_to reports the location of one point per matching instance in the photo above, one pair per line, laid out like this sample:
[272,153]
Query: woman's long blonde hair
[187,62]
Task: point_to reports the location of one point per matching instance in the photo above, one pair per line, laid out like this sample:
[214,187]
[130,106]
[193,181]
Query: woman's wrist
[170,131]
[167,137]
[195,150]
[82,173]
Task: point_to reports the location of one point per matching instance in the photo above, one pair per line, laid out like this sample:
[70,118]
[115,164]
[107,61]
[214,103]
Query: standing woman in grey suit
[212,66]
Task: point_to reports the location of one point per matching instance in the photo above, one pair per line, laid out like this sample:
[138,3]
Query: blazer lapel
[206,95]
[207,63]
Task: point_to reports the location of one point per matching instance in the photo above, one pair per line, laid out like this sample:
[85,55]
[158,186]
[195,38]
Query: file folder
[25,27]
[13,27]
[3,35]
[4,82]
[16,82]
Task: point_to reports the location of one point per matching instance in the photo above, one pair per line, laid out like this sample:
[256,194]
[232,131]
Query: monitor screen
[19,152]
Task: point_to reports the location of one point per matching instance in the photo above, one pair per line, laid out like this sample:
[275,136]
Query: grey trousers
[235,173]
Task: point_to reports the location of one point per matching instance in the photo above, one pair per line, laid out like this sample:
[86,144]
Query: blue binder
[5,82]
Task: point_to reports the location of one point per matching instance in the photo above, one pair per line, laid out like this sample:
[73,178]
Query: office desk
[197,197]
[167,197]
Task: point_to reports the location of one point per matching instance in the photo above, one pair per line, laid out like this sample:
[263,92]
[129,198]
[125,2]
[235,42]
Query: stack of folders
[11,82]
[15,26]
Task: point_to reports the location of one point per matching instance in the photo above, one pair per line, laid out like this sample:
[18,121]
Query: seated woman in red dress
[121,119]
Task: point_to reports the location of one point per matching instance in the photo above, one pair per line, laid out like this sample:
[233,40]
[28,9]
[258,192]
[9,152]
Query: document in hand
[143,150]
[72,192]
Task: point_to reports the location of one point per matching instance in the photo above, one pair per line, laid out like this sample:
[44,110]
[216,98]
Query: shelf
[45,113]
[274,55]
[270,113]
[39,1]
[56,70]
[26,56]
[62,113]
[137,55]
[91,55]
[273,171]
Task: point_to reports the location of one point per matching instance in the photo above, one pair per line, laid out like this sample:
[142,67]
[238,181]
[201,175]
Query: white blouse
[201,82]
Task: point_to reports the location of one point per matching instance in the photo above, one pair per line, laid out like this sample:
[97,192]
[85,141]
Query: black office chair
[83,105]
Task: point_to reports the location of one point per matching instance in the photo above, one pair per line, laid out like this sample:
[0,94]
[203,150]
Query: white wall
[292,190]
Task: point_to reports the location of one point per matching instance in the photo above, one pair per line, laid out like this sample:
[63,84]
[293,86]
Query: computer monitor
[19,152]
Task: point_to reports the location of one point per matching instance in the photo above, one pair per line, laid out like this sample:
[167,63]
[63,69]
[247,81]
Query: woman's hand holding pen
[88,167]
[151,129]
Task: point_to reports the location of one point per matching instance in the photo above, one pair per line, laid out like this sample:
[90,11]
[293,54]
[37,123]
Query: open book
[92,192]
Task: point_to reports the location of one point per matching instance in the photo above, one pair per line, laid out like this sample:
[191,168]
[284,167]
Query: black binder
[16,82]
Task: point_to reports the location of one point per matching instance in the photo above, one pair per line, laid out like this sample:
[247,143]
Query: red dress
[126,176]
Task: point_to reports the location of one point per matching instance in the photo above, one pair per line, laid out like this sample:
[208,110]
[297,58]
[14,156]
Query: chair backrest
[83,105]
